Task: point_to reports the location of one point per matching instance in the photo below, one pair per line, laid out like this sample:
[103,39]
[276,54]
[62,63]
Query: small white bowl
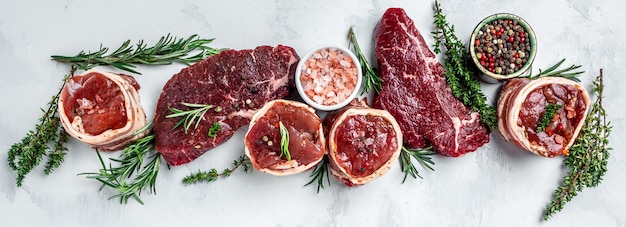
[352,95]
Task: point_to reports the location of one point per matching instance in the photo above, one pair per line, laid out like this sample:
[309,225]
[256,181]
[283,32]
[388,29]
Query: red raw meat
[415,91]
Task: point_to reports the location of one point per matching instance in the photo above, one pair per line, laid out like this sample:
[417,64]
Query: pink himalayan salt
[329,76]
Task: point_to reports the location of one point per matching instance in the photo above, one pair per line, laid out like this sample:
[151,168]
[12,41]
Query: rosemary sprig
[212,174]
[421,155]
[49,136]
[553,72]
[130,163]
[194,114]
[215,128]
[318,174]
[588,157]
[167,50]
[372,81]
[464,86]
[548,115]
[284,141]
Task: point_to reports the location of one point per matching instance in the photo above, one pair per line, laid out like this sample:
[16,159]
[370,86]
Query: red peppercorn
[560,127]
[491,64]
[483,57]
[477,42]
[511,39]
[482,63]
[516,55]
[501,29]
[521,39]
[521,34]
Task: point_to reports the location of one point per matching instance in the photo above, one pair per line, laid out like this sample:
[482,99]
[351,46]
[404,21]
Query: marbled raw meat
[416,93]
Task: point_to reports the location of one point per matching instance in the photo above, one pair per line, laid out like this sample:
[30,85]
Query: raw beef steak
[236,83]
[415,91]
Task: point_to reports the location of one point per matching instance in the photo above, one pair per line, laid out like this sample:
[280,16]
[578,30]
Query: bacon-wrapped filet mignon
[363,143]
[102,109]
[523,103]
[306,142]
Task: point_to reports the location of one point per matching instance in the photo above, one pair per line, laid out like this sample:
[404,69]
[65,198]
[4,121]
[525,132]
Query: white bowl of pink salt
[328,77]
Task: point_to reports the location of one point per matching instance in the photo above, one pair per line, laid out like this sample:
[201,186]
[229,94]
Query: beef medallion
[102,109]
[306,141]
[523,103]
[363,143]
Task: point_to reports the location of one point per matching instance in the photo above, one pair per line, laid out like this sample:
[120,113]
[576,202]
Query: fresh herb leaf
[421,155]
[318,174]
[284,142]
[130,163]
[372,81]
[194,114]
[553,72]
[548,114]
[215,128]
[465,87]
[167,50]
[588,157]
[212,174]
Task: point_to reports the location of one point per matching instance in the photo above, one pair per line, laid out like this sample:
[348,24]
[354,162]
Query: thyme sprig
[547,116]
[588,157]
[371,80]
[423,157]
[212,174]
[284,141]
[318,174]
[194,114]
[48,138]
[130,164]
[464,86]
[553,72]
[167,50]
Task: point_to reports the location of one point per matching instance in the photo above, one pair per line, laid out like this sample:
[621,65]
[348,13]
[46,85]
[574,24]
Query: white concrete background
[498,185]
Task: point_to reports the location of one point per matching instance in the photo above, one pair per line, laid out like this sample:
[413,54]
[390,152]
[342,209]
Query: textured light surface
[498,185]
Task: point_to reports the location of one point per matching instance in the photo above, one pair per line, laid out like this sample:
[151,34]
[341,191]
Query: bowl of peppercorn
[502,46]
